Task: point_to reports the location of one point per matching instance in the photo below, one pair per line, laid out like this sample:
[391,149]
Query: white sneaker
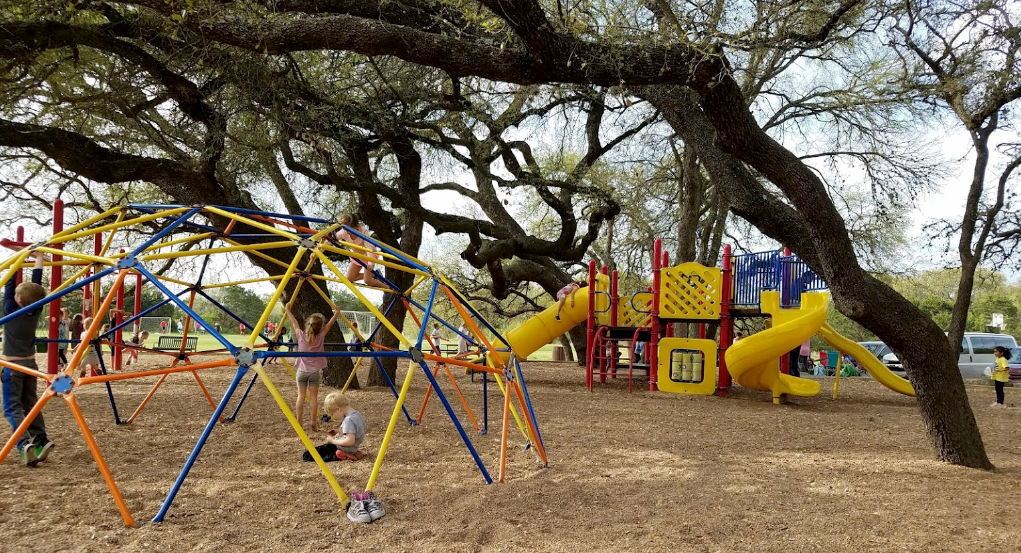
[356,512]
[374,506]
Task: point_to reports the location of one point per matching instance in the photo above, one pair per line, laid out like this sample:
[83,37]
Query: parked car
[974,355]
[1014,365]
[881,351]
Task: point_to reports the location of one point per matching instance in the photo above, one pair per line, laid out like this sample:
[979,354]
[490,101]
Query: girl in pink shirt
[359,269]
[308,370]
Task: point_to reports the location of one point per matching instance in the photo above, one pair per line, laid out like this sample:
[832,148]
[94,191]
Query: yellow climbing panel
[690,291]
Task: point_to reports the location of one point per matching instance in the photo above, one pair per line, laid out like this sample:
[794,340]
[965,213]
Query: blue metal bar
[244,211]
[379,324]
[140,315]
[389,382]
[456,421]
[152,208]
[109,389]
[528,402]
[478,316]
[47,299]
[165,231]
[387,249]
[426,314]
[244,396]
[184,307]
[229,313]
[198,445]
[437,319]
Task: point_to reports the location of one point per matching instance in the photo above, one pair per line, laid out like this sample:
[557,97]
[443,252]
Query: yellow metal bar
[81,272]
[372,259]
[239,282]
[391,426]
[836,381]
[113,232]
[209,251]
[119,224]
[358,294]
[276,295]
[286,410]
[185,240]
[253,223]
[351,377]
[174,280]
[269,258]
[15,263]
[60,237]
[77,255]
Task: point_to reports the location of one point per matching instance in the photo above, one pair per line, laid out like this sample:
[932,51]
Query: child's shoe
[41,452]
[27,454]
[557,317]
[356,511]
[374,506]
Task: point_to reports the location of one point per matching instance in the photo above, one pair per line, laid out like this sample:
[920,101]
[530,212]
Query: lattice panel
[690,291]
[636,311]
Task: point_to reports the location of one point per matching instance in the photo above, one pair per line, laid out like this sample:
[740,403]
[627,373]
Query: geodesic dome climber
[205,233]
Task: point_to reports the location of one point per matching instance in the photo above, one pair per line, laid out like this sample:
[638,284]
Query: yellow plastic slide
[544,328]
[869,362]
[754,362]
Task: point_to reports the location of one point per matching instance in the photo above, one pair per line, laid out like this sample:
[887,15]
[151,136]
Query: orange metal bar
[227,362]
[463,400]
[212,403]
[90,333]
[148,396]
[29,417]
[503,435]
[25,370]
[528,418]
[100,463]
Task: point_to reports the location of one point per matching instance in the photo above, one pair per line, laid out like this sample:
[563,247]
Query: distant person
[356,342]
[163,326]
[62,333]
[136,341]
[20,390]
[804,354]
[436,336]
[241,329]
[738,337]
[462,339]
[90,359]
[359,269]
[217,327]
[1001,373]
[793,360]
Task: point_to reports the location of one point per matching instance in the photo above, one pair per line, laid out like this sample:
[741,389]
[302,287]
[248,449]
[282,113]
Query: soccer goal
[155,325]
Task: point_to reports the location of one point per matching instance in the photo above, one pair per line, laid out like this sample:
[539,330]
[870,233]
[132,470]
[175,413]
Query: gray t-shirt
[354,423]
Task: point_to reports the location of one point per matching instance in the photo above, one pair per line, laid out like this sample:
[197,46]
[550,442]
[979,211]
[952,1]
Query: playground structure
[296,249]
[778,287]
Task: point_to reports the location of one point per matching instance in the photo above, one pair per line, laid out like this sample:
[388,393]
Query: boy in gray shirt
[19,389]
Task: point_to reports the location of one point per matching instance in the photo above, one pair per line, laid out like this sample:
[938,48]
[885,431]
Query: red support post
[19,236]
[654,330]
[118,335]
[56,278]
[604,366]
[726,321]
[590,325]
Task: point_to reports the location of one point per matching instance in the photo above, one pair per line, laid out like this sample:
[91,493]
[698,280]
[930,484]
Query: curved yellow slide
[544,328]
[869,362]
[754,362]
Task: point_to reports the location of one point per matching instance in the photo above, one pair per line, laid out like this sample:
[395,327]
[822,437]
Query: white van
[974,355]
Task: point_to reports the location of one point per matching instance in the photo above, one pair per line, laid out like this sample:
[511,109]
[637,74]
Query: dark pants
[999,391]
[792,362]
[63,355]
[19,396]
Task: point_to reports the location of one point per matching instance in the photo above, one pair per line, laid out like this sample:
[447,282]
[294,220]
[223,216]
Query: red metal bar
[726,321]
[19,236]
[590,324]
[614,306]
[604,365]
[118,335]
[654,330]
[56,278]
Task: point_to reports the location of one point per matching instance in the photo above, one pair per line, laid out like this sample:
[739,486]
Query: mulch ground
[651,472]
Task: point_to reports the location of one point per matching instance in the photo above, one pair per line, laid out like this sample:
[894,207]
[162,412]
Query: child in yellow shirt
[1000,374]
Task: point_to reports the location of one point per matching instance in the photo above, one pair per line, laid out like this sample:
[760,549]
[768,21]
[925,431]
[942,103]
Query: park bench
[173,343]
